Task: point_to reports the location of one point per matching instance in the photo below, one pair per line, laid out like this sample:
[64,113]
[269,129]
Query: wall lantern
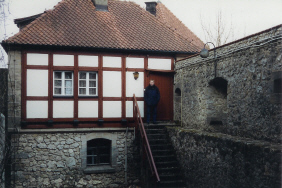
[205,53]
[136,75]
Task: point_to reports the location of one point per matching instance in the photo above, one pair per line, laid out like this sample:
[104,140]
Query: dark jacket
[152,95]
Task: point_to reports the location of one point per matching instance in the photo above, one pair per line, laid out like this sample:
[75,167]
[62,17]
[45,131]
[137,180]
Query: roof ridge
[179,21]
[165,25]
[170,28]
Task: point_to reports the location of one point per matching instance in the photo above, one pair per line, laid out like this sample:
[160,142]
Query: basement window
[98,152]
[63,83]
[277,85]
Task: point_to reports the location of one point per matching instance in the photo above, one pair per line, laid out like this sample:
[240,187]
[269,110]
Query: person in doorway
[152,98]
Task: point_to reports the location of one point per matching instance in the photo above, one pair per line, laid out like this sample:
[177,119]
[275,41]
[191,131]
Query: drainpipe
[125,158]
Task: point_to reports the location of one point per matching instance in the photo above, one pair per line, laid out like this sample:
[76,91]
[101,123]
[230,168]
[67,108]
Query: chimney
[151,7]
[101,5]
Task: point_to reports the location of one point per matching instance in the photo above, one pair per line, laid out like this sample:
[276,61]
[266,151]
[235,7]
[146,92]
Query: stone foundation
[55,160]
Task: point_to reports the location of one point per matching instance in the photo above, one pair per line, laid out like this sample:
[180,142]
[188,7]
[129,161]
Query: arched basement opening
[217,102]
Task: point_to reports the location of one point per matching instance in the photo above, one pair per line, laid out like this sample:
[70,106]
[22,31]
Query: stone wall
[4,91]
[55,160]
[220,160]
[250,107]
[2,149]
[15,87]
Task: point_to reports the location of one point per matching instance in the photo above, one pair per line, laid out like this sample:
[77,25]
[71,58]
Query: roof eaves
[10,46]
[33,17]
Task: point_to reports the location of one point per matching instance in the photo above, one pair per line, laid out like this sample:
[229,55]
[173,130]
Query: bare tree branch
[219,31]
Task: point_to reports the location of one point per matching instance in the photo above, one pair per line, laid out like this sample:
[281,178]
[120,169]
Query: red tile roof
[76,23]
[164,15]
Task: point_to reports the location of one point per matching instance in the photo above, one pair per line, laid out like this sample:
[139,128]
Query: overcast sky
[247,16]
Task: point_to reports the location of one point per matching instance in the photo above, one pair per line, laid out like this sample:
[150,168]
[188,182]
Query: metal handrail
[139,124]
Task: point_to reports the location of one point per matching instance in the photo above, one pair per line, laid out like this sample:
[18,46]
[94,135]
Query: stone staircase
[164,156]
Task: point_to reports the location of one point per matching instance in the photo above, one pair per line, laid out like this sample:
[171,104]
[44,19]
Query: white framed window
[63,83]
[87,84]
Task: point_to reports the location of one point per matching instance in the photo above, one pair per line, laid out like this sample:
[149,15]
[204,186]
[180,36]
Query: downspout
[125,158]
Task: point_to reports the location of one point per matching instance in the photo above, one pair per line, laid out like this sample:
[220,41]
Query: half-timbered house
[73,72]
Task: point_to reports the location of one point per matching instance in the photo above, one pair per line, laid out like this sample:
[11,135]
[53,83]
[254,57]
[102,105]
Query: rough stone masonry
[55,160]
[231,120]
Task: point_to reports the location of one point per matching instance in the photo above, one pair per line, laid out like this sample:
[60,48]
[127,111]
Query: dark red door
[164,81]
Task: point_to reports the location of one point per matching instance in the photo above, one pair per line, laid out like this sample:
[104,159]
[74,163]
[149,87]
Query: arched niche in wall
[177,102]
[276,95]
[277,85]
[177,92]
[220,85]
[217,102]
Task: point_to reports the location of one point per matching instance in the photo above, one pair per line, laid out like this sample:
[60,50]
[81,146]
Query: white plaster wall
[87,109]
[87,61]
[112,61]
[62,109]
[112,109]
[133,62]
[37,59]
[112,84]
[162,64]
[63,60]
[134,86]
[36,109]
[37,82]
[129,108]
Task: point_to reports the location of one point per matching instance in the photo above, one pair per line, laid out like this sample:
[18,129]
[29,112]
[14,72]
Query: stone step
[155,129]
[163,152]
[157,136]
[168,170]
[165,158]
[164,164]
[158,141]
[164,155]
[155,147]
[157,126]
[171,176]
[171,183]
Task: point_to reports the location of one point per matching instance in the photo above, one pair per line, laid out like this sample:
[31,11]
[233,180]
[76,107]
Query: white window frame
[63,83]
[87,83]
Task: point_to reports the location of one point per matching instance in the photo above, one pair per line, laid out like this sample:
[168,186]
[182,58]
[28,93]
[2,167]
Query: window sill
[62,96]
[99,169]
[82,96]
